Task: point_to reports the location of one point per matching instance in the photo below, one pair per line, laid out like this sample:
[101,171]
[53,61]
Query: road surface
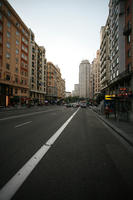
[62,153]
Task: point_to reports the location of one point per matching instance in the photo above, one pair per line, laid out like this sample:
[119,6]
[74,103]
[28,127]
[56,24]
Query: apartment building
[96,74]
[55,83]
[52,91]
[63,88]
[75,92]
[116,43]
[91,82]
[14,54]
[104,57]
[37,71]
[84,74]
[58,80]
[128,33]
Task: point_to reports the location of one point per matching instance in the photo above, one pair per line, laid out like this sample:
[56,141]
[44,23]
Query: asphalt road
[87,161]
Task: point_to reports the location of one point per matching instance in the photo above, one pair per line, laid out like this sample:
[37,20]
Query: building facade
[63,88]
[91,83]
[55,83]
[96,74]
[84,74]
[37,71]
[76,90]
[116,42]
[104,57]
[116,59]
[14,54]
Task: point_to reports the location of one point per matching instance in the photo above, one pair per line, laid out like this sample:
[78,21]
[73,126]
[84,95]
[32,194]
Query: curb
[116,129]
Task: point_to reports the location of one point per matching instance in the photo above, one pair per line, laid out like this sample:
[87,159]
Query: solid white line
[59,131]
[11,187]
[22,124]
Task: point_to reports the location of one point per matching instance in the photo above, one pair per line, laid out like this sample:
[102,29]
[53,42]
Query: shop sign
[110,97]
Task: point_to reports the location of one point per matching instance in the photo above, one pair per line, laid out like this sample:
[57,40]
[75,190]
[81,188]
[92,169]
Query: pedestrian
[107,111]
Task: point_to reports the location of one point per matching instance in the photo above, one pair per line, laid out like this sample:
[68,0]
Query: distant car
[75,105]
[83,105]
[68,105]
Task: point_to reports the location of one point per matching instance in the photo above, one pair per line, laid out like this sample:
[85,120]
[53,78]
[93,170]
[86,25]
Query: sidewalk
[123,128]
[19,107]
[13,108]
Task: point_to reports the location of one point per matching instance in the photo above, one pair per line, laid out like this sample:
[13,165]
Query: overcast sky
[68,29]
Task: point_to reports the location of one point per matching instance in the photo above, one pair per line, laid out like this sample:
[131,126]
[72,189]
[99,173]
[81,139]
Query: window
[17,51]
[26,50]
[7,55]
[23,31]
[0,16]
[16,70]
[17,42]
[0,27]
[8,34]
[17,24]
[0,39]
[129,53]
[8,45]
[129,67]
[16,60]
[33,50]
[8,13]
[17,33]
[8,77]
[128,38]
[8,24]
[16,80]
[117,72]
[24,56]
[128,10]
[16,90]
[7,66]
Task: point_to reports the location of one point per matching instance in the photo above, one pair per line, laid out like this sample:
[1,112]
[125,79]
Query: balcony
[127,30]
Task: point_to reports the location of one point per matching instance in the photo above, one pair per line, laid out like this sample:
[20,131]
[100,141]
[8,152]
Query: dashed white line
[11,187]
[17,126]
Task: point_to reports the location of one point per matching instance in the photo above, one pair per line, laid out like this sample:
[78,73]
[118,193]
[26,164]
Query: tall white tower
[84,74]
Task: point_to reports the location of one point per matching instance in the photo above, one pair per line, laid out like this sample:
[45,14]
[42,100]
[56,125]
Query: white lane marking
[59,131]
[22,124]
[11,187]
